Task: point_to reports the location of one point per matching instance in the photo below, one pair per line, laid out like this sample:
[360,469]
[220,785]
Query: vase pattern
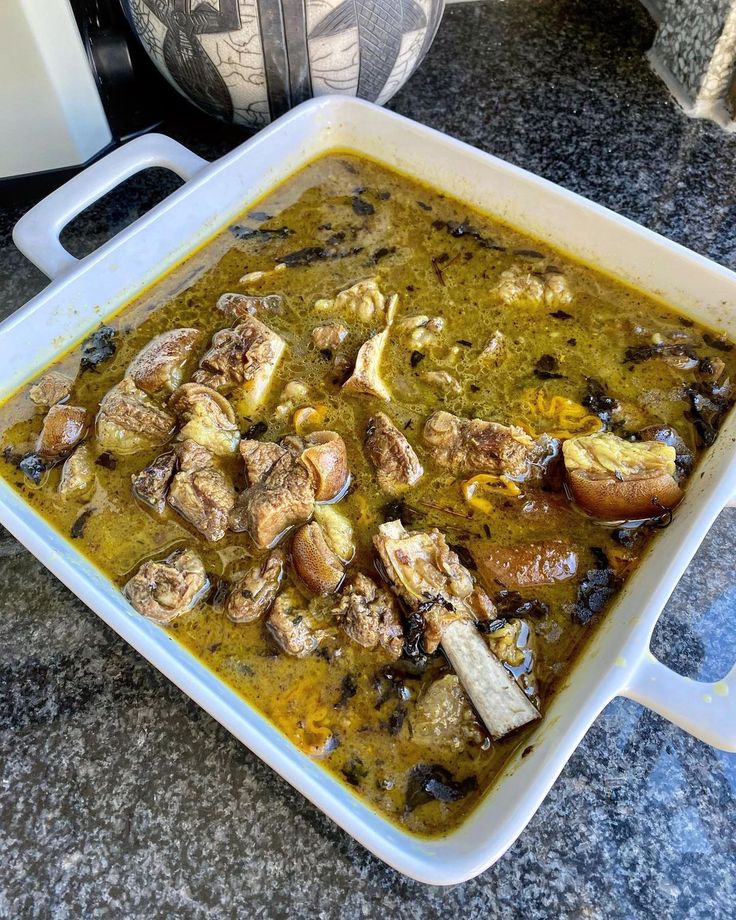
[248,61]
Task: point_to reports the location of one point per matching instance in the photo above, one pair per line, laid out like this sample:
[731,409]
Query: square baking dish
[617,660]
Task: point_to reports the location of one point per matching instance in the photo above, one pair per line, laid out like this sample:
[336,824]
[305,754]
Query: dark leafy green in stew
[380,462]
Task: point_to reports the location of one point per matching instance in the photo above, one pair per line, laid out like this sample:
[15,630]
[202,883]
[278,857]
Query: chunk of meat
[290,625]
[397,465]
[241,362]
[129,421]
[422,330]
[427,574]
[325,458]
[152,483]
[63,428]
[201,492]
[475,446]
[315,562]
[77,473]
[444,718]
[363,301]
[160,365]
[369,615]
[329,335]
[255,591]
[206,417]
[51,389]
[519,287]
[365,379]
[162,591]
[259,457]
[525,565]
[241,305]
[614,479]
[443,381]
[429,577]
[283,497]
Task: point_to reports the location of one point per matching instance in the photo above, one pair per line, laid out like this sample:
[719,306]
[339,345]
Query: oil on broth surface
[442,260]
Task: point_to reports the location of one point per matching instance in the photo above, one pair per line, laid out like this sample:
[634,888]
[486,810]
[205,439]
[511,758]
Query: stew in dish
[381,463]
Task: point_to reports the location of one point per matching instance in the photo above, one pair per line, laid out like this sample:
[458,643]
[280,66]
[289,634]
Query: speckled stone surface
[120,798]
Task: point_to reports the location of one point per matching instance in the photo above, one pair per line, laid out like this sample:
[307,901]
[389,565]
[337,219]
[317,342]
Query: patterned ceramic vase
[248,61]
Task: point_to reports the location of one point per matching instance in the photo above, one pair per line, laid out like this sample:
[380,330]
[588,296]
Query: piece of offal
[429,577]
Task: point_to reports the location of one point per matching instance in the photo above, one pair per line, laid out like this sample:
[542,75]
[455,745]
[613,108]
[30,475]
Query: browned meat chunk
[283,497]
[315,561]
[163,590]
[200,492]
[325,458]
[77,473]
[365,379]
[253,593]
[159,366]
[206,417]
[329,335]
[369,615]
[443,716]
[152,483]
[241,362]
[259,457]
[527,564]
[51,389]
[128,420]
[241,305]
[63,428]
[427,574]
[474,446]
[289,624]
[397,465]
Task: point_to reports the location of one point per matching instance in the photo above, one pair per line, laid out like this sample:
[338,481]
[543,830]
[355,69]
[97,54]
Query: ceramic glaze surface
[248,61]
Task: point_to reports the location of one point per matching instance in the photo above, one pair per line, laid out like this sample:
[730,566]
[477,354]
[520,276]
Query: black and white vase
[248,61]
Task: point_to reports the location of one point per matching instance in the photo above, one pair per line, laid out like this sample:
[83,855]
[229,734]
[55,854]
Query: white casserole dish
[617,661]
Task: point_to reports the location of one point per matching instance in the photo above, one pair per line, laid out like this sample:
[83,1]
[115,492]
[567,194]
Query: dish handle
[37,233]
[705,710]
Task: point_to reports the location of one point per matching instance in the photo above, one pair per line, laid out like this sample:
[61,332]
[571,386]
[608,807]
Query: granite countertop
[122,798]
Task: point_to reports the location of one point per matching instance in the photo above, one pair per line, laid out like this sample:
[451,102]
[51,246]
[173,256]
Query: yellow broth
[407,240]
